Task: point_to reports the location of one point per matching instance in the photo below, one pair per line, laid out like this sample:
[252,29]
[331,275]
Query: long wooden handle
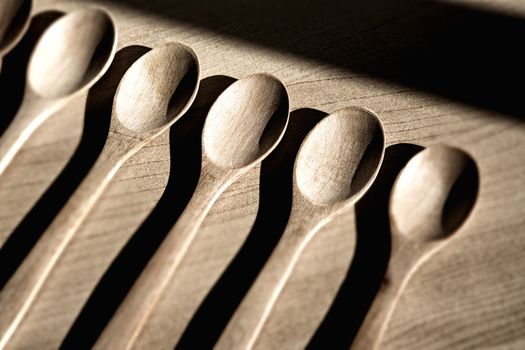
[132,314]
[21,290]
[406,258]
[32,113]
[249,318]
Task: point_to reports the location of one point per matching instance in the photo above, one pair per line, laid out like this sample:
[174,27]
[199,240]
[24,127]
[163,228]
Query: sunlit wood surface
[470,295]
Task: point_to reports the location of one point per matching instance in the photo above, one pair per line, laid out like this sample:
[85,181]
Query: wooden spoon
[335,166]
[242,127]
[155,91]
[14,21]
[431,198]
[72,54]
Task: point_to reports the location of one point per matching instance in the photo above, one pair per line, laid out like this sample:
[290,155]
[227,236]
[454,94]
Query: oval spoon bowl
[73,53]
[340,157]
[246,122]
[155,105]
[434,193]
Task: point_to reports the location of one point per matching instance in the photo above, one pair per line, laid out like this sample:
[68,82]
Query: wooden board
[376,56]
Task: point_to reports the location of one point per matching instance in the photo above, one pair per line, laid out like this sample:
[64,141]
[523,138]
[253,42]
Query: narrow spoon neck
[212,182]
[33,103]
[408,254]
[119,147]
[306,218]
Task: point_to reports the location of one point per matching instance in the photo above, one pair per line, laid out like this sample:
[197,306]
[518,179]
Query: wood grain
[468,296]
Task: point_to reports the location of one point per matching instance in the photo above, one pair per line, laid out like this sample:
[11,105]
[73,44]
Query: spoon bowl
[14,21]
[72,53]
[255,110]
[340,157]
[434,194]
[176,66]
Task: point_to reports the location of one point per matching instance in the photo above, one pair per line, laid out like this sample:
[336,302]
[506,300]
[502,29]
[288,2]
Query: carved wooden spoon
[335,166]
[242,127]
[431,198]
[155,91]
[14,21]
[72,54]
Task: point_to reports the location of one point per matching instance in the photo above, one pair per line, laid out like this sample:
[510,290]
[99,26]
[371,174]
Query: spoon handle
[249,318]
[32,113]
[23,287]
[406,258]
[132,314]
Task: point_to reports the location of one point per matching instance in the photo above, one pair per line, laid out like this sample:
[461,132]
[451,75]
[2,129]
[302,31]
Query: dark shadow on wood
[96,127]
[461,198]
[14,67]
[462,53]
[371,256]
[185,153]
[275,200]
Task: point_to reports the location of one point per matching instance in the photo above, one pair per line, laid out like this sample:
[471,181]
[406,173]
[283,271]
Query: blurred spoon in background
[14,21]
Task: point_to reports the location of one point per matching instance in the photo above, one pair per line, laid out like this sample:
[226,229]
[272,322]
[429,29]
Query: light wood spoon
[243,126]
[72,54]
[153,93]
[14,21]
[431,198]
[335,166]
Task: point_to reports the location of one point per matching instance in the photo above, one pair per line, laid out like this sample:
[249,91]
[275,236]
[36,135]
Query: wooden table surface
[435,72]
